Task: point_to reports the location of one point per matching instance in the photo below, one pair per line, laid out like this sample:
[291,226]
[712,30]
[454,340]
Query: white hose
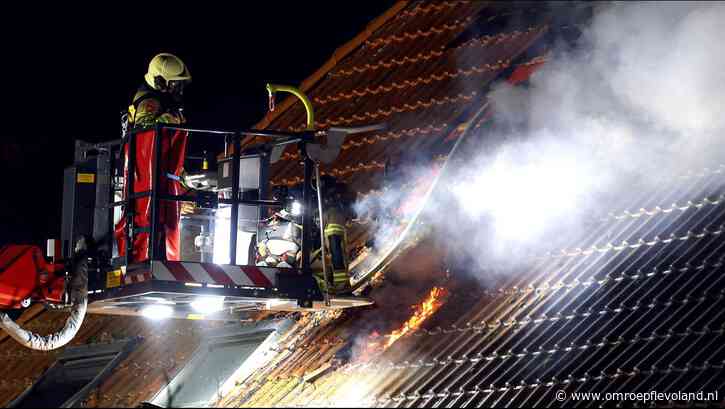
[79,303]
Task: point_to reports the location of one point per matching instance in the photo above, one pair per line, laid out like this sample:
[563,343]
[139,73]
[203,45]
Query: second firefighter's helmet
[165,68]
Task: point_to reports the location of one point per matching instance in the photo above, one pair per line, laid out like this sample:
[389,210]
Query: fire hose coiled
[78,293]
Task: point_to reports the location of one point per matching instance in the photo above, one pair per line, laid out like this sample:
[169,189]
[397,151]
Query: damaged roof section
[634,303]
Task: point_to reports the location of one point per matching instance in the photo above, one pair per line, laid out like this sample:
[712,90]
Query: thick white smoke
[640,98]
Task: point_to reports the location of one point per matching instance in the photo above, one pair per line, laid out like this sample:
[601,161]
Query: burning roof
[625,296]
[631,302]
[421,312]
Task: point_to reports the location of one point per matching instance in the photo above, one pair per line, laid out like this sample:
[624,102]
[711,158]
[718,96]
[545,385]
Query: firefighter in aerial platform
[158,100]
[337,201]
[282,244]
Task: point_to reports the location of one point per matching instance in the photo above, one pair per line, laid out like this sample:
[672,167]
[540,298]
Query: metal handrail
[247,132]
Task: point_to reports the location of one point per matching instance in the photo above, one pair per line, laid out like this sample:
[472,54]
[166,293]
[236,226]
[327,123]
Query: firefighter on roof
[159,99]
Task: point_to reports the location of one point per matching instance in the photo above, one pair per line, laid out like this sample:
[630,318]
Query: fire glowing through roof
[422,311]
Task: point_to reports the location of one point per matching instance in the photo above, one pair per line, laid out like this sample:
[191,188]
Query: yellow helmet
[167,66]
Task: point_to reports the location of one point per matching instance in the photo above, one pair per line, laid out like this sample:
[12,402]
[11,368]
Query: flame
[422,311]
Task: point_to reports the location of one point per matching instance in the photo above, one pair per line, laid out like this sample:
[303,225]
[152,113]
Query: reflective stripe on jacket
[150,107]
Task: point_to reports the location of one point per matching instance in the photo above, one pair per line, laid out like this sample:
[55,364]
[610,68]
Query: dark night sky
[68,72]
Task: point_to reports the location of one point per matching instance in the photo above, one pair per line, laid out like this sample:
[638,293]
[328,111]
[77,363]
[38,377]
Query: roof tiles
[633,302]
[405,76]
[162,351]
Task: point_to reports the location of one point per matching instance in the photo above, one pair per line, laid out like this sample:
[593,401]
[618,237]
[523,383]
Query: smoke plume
[639,99]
